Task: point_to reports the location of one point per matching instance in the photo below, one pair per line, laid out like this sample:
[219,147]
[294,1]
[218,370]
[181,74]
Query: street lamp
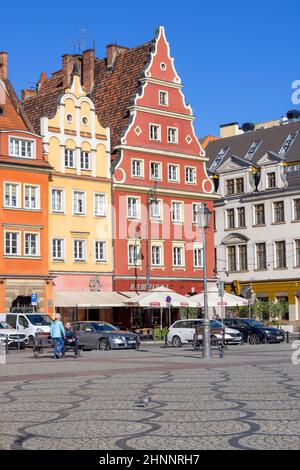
[203,218]
[151,197]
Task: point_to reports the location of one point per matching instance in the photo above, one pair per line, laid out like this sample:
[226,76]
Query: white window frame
[33,147]
[104,259]
[161,250]
[37,194]
[158,132]
[194,215]
[182,247]
[83,241]
[181,204]
[160,216]
[18,243]
[167,97]
[160,171]
[194,171]
[55,211]
[295,253]
[67,158]
[83,154]
[56,258]
[275,254]
[171,128]
[138,216]
[104,195]
[18,193]
[137,244]
[74,192]
[37,235]
[137,160]
[178,173]
[198,246]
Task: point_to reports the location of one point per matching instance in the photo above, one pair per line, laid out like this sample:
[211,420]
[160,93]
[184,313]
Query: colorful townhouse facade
[80,222]
[24,196]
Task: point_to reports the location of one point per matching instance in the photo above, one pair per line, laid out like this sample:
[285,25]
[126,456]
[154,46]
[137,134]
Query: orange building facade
[24,199]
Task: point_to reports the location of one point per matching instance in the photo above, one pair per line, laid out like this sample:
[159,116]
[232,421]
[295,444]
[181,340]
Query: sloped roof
[112,91]
[12,117]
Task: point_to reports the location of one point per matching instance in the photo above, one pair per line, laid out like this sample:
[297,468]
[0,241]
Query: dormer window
[288,142]
[220,156]
[1,111]
[253,147]
[23,148]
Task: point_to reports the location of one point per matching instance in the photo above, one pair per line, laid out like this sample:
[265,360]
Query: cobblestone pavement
[250,399]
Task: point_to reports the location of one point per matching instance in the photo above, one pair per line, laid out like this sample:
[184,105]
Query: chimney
[229,130]
[112,51]
[3,65]
[88,65]
[28,93]
[67,66]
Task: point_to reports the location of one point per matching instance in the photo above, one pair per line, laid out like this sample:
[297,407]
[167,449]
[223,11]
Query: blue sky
[236,59]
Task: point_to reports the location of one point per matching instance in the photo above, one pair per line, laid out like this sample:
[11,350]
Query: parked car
[255,332]
[104,336]
[182,332]
[13,336]
[28,324]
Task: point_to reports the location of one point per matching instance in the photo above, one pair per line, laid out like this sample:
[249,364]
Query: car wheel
[254,339]
[104,345]
[176,342]
[30,341]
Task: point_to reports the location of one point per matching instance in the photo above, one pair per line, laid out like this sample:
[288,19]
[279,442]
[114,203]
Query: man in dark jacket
[70,338]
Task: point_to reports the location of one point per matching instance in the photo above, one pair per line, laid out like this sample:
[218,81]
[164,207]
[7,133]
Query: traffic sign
[220,285]
[34,299]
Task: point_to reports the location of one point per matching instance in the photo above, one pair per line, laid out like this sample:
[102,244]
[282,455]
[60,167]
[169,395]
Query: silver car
[104,336]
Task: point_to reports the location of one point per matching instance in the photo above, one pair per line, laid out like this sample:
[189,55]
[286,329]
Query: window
[259,214]
[280,254]
[79,250]
[31,244]
[190,175]
[196,207]
[163,98]
[239,185]
[11,243]
[243,263]
[11,195]
[230,218]
[254,146]
[229,187]
[31,197]
[177,212]
[57,200]
[172,135]
[100,204]
[78,202]
[100,251]
[261,256]
[155,209]
[133,254]
[173,173]
[198,257]
[133,207]
[154,132]
[271,180]
[156,255]
[220,157]
[231,255]
[297,253]
[85,158]
[278,212]
[288,142]
[241,217]
[57,249]
[296,209]
[69,158]
[155,170]
[137,168]
[177,256]
[21,148]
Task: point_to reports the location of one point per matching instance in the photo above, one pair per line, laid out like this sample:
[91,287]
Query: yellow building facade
[80,217]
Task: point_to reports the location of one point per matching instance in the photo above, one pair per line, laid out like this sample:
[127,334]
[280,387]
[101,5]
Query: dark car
[254,331]
[104,336]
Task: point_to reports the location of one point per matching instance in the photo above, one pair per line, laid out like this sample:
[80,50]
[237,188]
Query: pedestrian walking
[57,333]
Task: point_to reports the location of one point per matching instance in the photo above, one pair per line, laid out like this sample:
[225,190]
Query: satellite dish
[293,114]
[248,126]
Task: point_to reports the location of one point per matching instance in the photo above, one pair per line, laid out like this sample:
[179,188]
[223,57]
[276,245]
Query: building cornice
[185,156]
[161,112]
[163,191]
[156,81]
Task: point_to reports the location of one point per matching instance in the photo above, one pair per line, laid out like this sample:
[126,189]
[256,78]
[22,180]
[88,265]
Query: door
[86,335]
[187,331]
[23,326]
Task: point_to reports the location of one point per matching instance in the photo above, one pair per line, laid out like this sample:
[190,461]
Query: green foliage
[159,334]
[271,310]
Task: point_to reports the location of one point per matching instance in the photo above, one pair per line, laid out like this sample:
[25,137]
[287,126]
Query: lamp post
[151,197]
[203,216]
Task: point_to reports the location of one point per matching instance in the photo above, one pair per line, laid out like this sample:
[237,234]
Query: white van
[28,323]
